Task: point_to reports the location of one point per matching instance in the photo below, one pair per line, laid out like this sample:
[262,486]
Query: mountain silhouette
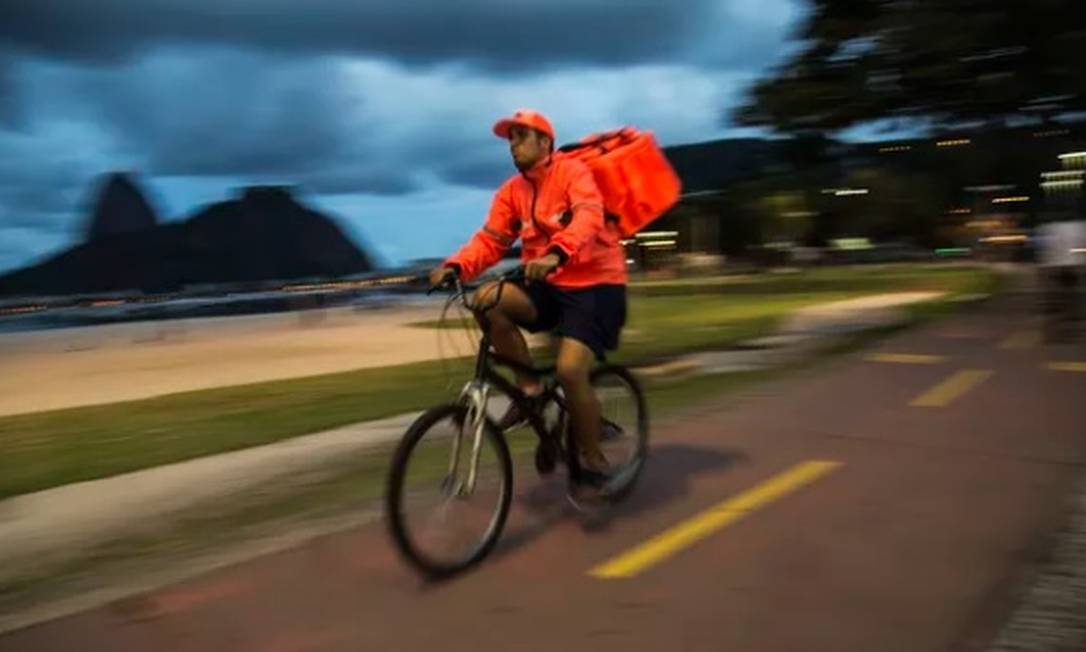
[264,234]
[120,208]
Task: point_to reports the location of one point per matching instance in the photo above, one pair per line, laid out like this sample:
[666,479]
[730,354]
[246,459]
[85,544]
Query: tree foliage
[940,63]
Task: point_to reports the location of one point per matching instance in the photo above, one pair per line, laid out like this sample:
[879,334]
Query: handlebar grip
[447,283]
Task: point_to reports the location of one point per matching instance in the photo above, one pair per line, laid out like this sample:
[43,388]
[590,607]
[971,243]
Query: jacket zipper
[538,226]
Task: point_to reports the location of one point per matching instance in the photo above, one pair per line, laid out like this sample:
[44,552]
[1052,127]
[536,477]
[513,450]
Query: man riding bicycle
[575,268]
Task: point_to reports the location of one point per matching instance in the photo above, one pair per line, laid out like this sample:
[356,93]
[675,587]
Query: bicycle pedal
[586,501]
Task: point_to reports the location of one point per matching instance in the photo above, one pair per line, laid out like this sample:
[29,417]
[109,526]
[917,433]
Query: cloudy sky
[379,112]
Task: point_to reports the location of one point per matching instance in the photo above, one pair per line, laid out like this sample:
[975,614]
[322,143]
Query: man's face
[527,146]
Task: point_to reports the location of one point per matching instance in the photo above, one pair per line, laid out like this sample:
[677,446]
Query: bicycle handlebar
[461,289]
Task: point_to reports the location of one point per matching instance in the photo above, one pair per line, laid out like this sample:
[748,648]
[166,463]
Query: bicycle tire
[395,494]
[631,471]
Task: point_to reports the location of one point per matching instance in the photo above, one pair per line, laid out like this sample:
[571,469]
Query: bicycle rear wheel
[625,433]
[439,523]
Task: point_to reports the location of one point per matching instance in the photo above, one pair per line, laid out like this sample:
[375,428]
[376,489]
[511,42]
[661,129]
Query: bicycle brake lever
[447,284]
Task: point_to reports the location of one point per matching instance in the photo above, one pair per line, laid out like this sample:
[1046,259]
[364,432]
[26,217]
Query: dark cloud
[349,181]
[11,114]
[251,118]
[30,205]
[245,116]
[514,35]
[260,151]
[487,174]
[51,212]
[745,36]
[214,110]
[37,193]
[221,113]
[53,223]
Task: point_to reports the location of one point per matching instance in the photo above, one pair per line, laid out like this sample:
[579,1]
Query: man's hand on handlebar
[538,269]
[442,276]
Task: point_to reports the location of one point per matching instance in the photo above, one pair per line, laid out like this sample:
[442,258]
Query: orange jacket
[555,206]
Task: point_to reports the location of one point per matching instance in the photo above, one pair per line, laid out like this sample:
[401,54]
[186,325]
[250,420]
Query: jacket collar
[538,171]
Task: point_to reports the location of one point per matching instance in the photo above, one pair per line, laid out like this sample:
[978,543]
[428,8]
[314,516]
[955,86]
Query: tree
[937,63]
[897,206]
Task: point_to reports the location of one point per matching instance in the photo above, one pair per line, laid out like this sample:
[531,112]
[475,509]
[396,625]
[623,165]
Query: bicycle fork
[475,394]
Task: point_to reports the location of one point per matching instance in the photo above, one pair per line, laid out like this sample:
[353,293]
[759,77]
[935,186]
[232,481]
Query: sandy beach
[45,370]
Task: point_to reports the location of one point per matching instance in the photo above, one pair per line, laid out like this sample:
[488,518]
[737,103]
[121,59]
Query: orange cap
[526,118]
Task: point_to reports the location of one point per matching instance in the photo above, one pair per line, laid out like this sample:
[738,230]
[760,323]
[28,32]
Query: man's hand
[538,269]
[441,275]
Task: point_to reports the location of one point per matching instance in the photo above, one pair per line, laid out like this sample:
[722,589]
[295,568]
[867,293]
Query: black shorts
[593,316]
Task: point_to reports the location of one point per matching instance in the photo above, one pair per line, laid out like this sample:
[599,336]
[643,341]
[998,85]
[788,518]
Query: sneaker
[591,486]
[513,419]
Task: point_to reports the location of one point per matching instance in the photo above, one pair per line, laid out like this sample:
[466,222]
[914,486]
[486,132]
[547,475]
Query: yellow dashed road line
[905,358]
[958,384]
[689,532]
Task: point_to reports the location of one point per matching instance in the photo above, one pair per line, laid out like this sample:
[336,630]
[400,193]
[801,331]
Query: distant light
[895,148]
[989,188]
[630,261]
[1073,155]
[657,234]
[1004,239]
[850,191]
[1079,250]
[1010,200]
[1063,174]
[1068,183]
[703,193]
[953,143]
[960,211]
[659,243]
[851,244]
[20,310]
[1053,132]
[994,54]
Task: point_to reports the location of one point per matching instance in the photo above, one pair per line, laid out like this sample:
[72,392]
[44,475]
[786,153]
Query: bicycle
[466,441]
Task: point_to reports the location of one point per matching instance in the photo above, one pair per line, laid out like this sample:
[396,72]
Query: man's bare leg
[515,308]
[574,366]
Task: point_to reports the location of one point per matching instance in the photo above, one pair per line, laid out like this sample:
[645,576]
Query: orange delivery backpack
[636,180]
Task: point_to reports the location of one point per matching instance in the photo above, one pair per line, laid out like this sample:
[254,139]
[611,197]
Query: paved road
[894,500]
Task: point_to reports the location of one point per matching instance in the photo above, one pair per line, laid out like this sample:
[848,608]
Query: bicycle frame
[476,393]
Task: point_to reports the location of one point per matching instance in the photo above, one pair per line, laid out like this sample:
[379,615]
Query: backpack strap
[605,142]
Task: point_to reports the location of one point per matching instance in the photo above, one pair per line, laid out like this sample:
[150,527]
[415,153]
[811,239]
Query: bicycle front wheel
[441,519]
